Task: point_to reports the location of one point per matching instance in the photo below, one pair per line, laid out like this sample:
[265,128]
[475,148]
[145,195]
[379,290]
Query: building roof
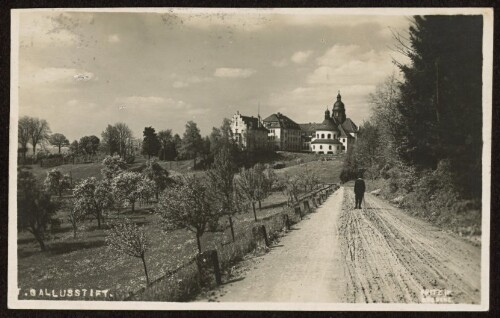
[349,126]
[328,124]
[252,123]
[344,134]
[311,127]
[326,141]
[279,120]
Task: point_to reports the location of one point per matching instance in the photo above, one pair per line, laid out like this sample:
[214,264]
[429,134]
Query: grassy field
[86,262]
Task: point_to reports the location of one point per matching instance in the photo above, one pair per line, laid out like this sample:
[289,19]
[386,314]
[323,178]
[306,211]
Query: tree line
[425,132]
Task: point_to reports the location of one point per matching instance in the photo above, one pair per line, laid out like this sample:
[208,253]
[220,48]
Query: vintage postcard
[250,159]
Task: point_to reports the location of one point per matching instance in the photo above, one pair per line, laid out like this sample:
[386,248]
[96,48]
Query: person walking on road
[359,191]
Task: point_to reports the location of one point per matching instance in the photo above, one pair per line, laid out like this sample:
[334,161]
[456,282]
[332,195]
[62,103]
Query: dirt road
[377,254]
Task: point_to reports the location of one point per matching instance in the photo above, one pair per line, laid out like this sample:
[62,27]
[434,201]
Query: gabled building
[249,132]
[284,133]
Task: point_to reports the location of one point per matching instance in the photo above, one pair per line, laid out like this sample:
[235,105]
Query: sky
[84,70]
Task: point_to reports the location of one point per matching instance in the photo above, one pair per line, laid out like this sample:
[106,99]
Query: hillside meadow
[86,262]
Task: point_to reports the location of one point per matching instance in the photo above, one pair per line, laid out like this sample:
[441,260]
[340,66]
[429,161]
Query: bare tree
[221,178]
[39,132]
[247,185]
[123,134]
[24,133]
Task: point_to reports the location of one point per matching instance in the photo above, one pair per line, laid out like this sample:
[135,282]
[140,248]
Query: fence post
[259,232]
[298,211]
[306,206]
[206,262]
[286,221]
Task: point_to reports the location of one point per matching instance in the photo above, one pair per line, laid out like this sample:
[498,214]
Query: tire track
[392,257]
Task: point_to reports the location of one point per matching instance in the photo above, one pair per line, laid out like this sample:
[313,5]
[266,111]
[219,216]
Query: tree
[74,148]
[441,97]
[247,185]
[368,145]
[24,134]
[159,176]
[129,239]
[56,182]
[168,149]
[222,186]
[187,205]
[39,132]
[92,197]
[75,216]
[261,187]
[110,140]
[205,149]
[191,142]
[350,168]
[113,166]
[89,145]
[386,117]
[58,140]
[150,144]
[271,179]
[292,186]
[34,208]
[124,135]
[129,187]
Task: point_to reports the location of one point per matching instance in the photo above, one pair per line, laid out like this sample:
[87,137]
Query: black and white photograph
[250,159]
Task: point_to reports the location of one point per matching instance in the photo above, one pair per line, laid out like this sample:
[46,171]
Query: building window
[322,136]
[330,147]
[313,147]
[320,146]
[330,136]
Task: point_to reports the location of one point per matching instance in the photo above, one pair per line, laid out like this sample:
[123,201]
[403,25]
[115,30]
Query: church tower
[338,111]
[327,113]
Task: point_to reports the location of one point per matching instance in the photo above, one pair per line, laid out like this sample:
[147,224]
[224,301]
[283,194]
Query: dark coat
[359,186]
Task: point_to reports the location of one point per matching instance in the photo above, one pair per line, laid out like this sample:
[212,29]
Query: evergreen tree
[151,144]
[441,97]
[191,142]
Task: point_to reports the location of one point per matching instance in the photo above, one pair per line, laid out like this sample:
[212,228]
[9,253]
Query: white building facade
[249,133]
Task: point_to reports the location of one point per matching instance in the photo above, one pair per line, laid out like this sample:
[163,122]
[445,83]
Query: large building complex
[284,133]
[335,134]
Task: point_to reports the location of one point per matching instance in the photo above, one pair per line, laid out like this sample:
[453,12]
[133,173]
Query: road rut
[378,254]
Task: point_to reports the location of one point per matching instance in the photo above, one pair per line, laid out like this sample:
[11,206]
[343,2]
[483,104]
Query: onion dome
[339,105]
[327,113]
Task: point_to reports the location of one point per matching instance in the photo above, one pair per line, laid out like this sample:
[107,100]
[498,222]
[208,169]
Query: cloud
[180,84]
[234,72]
[351,65]
[61,75]
[189,80]
[301,56]
[113,38]
[141,100]
[280,63]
